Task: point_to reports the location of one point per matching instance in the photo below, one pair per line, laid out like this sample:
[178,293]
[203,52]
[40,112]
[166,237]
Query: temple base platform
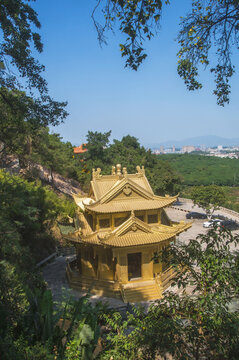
[134,291]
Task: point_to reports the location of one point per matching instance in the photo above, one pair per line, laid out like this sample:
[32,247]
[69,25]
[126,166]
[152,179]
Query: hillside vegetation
[204,170]
[49,150]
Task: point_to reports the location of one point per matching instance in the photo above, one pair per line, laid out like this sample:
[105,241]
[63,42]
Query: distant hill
[209,140]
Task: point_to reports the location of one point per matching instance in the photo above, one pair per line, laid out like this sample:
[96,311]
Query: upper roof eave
[129,205]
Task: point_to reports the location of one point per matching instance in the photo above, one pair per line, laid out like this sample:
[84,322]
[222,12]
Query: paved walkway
[55,276]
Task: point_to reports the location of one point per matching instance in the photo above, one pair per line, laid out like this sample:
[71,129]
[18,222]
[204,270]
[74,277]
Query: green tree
[49,150]
[210,27]
[137,20]
[32,216]
[208,197]
[16,132]
[130,142]
[96,144]
[24,100]
[18,22]
[198,322]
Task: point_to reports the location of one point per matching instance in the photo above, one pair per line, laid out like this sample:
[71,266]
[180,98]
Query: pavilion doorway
[134,266]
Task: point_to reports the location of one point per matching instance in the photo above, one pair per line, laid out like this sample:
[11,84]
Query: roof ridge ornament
[96,174]
[118,168]
[103,236]
[140,171]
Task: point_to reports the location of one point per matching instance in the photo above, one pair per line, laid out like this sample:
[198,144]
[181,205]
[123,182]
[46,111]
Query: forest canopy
[204,170]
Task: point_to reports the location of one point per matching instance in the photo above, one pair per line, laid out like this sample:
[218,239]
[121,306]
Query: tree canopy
[96,143]
[211,26]
[23,90]
[208,197]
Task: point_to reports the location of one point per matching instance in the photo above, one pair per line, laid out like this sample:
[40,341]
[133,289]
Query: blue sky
[151,104]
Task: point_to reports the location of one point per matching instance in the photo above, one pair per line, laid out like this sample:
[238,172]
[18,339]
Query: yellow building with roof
[119,227]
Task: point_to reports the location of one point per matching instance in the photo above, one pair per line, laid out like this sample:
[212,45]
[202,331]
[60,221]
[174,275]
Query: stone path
[55,276]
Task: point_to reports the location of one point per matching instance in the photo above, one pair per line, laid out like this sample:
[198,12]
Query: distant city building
[188,148]
[156,152]
[161,149]
[220,147]
[173,148]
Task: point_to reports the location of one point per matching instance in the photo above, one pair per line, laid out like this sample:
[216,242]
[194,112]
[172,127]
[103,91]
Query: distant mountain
[209,140]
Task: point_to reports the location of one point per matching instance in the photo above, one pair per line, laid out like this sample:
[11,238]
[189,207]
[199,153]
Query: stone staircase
[140,291]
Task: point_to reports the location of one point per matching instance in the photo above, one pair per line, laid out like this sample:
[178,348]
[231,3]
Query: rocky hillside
[56,181]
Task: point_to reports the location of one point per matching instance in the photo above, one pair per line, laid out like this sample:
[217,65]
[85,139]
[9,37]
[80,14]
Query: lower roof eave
[114,246]
[184,228]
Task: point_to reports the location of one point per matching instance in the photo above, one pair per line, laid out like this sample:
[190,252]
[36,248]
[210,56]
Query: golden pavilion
[118,229]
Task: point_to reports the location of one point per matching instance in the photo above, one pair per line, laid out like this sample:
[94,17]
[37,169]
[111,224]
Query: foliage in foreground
[32,327]
[196,326]
[47,330]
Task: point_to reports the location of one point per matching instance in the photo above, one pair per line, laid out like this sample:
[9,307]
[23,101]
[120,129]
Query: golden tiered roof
[121,192]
